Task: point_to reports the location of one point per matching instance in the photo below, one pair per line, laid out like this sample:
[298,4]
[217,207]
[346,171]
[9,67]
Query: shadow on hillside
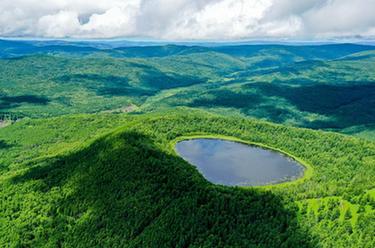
[159,80]
[7,102]
[227,98]
[125,191]
[145,81]
[124,91]
[347,105]
[104,85]
[4,145]
[344,105]
[103,79]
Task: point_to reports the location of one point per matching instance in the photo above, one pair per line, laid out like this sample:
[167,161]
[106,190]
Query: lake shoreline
[306,173]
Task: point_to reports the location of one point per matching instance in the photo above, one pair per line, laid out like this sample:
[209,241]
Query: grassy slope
[65,181]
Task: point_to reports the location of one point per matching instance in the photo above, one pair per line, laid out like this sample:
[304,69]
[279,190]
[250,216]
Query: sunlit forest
[318,87]
[87,133]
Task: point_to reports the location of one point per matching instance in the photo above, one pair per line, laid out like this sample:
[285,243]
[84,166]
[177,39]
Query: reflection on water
[232,163]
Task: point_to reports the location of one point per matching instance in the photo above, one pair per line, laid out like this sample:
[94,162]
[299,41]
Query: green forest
[127,187]
[317,87]
[87,156]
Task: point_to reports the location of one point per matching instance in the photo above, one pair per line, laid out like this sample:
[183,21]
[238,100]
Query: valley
[316,87]
[88,139]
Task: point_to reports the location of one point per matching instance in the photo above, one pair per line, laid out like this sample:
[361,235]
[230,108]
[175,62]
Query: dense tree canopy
[71,181]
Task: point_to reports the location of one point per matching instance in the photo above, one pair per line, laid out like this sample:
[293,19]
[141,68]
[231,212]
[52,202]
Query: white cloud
[187,19]
[223,19]
[287,27]
[344,17]
[116,21]
[62,24]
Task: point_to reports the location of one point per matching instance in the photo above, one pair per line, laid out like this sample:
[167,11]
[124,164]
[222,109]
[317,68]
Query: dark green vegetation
[66,181]
[322,87]
[77,171]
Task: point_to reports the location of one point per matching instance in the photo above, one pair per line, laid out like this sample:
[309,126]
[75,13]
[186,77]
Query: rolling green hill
[327,87]
[71,181]
[87,132]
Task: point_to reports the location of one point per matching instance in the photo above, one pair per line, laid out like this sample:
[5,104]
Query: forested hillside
[88,129]
[327,87]
[71,181]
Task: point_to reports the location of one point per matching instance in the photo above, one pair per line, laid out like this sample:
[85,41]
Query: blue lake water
[232,163]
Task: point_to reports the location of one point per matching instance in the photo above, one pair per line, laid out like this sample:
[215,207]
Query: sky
[189,19]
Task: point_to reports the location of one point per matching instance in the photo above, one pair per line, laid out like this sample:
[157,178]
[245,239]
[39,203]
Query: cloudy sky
[188,19]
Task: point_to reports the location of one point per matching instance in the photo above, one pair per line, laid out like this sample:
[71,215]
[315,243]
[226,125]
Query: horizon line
[153,42]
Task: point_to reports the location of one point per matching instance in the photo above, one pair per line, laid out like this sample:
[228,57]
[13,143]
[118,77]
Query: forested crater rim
[303,170]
